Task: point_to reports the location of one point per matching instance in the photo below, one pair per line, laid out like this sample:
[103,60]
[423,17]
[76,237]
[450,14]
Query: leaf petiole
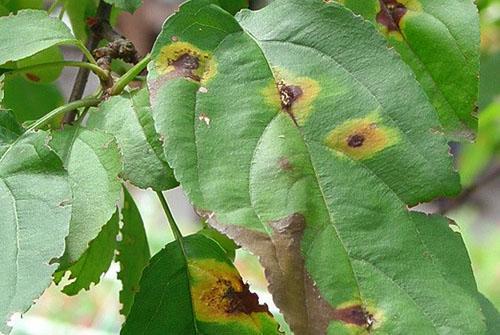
[130,75]
[102,74]
[173,225]
[87,102]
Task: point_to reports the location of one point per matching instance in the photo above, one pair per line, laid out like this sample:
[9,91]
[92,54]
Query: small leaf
[420,30]
[29,32]
[128,117]
[42,98]
[93,161]
[78,13]
[96,260]
[193,288]
[35,211]
[224,242]
[127,5]
[133,253]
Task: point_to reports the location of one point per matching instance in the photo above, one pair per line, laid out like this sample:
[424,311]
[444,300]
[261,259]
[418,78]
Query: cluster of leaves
[303,131]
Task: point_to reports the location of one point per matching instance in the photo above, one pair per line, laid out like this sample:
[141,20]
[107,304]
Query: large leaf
[193,288]
[93,161]
[29,32]
[307,145]
[128,117]
[440,42]
[12,6]
[133,253]
[96,260]
[35,211]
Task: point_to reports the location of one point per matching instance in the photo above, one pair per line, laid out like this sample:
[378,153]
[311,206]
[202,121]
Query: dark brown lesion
[356,140]
[241,301]
[185,66]
[390,14]
[288,95]
[355,315]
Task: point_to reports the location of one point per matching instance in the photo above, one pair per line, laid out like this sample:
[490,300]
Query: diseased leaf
[93,161]
[35,211]
[43,75]
[127,5]
[133,253]
[28,100]
[78,13]
[193,288]
[96,260]
[128,118]
[29,32]
[308,151]
[440,42]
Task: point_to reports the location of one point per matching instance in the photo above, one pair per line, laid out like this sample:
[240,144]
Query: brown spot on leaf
[288,95]
[355,315]
[284,164]
[356,140]
[390,14]
[32,77]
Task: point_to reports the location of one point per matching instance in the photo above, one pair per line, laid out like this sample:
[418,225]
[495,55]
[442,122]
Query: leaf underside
[35,211]
[128,118]
[93,161]
[193,288]
[308,151]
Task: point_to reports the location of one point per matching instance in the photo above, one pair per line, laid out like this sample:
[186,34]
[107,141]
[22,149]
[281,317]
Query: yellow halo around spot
[362,138]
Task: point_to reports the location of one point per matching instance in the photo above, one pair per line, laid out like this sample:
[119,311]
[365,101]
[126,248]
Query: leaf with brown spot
[318,143]
[191,287]
[439,40]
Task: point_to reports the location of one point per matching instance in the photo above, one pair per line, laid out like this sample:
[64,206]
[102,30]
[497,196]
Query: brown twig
[103,14]
[447,205]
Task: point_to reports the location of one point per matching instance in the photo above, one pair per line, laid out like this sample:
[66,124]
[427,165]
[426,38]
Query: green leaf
[193,288]
[307,146]
[13,6]
[78,12]
[29,32]
[475,157]
[439,40]
[10,129]
[133,253]
[128,118]
[224,242]
[489,85]
[96,260]
[43,75]
[30,101]
[93,161]
[127,5]
[35,211]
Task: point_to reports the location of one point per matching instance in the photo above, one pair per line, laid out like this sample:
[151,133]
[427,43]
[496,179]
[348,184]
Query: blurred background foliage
[477,211]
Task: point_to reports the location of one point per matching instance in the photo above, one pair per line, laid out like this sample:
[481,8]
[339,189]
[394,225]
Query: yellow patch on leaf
[182,59]
[220,296]
[362,138]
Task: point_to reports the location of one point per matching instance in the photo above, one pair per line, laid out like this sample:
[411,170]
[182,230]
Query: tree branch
[447,205]
[103,14]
